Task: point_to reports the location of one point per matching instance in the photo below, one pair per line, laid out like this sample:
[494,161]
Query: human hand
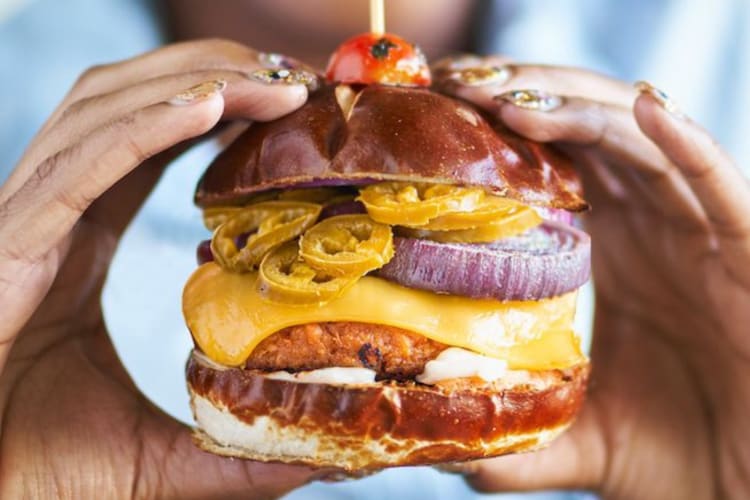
[73,423]
[668,401]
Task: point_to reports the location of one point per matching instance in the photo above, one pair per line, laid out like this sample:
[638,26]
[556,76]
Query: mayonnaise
[455,362]
[334,375]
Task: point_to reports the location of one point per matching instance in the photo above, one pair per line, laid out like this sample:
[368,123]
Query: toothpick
[377,17]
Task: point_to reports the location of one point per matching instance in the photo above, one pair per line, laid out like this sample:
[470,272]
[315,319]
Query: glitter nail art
[532,99]
[660,96]
[481,75]
[285,76]
[199,92]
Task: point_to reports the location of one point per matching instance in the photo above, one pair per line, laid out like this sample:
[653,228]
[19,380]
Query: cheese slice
[228,318]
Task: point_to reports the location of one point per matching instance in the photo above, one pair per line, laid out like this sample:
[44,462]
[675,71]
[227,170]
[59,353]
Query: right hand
[668,402]
[73,423]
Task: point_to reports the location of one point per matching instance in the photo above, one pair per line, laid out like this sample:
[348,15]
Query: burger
[391,279]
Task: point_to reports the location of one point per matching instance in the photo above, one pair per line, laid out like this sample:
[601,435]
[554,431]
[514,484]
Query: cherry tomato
[386,59]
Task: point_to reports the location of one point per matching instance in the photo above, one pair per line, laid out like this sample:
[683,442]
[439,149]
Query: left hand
[667,406]
[74,425]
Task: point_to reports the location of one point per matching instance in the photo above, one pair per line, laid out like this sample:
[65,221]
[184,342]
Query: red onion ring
[556,215]
[343,208]
[203,253]
[546,261]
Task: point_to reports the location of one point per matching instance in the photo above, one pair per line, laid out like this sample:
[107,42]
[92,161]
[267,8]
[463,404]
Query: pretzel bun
[388,133]
[245,414]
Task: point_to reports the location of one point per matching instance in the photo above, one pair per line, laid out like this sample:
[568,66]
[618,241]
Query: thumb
[576,460]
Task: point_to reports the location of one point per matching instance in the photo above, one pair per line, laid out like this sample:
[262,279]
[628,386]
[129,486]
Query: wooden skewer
[377,17]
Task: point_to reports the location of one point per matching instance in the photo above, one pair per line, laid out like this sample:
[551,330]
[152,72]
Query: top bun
[388,133]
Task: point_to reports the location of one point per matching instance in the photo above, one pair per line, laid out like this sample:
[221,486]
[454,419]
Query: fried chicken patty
[392,352]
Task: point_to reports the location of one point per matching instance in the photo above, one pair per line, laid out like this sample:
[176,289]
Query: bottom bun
[242,413]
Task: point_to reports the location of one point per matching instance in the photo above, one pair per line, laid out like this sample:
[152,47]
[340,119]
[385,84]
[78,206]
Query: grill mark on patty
[393,353]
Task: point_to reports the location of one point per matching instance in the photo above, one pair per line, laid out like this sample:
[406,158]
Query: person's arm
[670,224]
[73,423]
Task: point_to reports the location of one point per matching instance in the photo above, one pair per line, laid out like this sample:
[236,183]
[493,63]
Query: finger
[481,84]
[248,96]
[66,183]
[445,68]
[184,57]
[718,184]
[609,132]
[245,98]
[576,460]
[194,473]
[39,216]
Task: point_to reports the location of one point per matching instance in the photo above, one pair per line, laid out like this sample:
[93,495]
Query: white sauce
[450,364]
[455,362]
[333,375]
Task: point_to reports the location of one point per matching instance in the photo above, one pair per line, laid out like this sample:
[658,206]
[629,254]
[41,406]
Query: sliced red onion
[555,215]
[343,208]
[203,253]
[546,261]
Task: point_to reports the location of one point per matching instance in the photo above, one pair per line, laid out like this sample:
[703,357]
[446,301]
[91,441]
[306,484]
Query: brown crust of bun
[363,427]
[393,133]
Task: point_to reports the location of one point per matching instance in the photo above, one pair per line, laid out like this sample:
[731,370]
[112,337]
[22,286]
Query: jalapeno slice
[415,204]
[285,277]
[266,225]
[516,222]
[347,244]
[490,210]
[214,217]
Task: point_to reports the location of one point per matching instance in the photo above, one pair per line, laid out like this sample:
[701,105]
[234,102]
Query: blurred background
[698,51]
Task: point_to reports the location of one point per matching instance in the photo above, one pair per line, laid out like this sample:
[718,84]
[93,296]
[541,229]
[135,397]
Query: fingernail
[286,77]
[536,100]
[660,96]
[456,62]
[480,75]
[199,92]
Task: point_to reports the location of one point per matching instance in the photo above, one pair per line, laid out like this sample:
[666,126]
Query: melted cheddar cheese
[228,318]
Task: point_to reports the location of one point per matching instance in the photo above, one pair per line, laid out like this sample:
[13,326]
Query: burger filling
[289,291]
[390,352]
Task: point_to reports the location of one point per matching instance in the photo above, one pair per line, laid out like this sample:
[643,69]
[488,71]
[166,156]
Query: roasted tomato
[386,59]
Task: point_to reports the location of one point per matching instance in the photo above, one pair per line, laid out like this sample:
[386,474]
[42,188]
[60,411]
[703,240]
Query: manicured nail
[532,99]
[457,62]
[660,96]
[274,76]
[480,75]
[199,92]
